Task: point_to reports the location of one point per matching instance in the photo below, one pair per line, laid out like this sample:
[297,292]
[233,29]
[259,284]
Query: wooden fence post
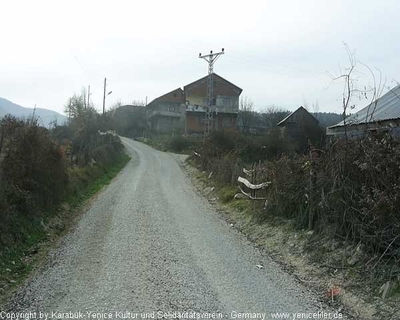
[311,209]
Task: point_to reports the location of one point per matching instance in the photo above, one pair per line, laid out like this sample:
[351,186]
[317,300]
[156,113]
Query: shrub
[349,190]
[33,169]
[179,143]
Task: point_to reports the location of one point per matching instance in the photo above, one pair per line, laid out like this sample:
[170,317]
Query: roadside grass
[13,265]
[176,143]
[36,234]
[159,144]
[226,193]
[103,178]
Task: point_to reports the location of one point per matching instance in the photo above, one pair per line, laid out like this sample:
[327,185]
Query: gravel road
[150,243]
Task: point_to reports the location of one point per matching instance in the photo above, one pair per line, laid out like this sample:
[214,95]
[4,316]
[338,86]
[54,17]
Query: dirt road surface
[150,243]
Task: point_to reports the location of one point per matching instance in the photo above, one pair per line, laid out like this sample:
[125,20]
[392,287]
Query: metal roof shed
[381,114]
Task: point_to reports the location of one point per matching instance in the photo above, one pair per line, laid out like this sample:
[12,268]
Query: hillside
[45,116]
[327,119]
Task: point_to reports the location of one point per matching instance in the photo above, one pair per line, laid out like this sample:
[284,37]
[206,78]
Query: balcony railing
[163,113]
[218,109]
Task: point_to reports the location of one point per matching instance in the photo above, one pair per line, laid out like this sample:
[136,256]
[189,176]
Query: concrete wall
[226,122]
[194,122]
[196,99]
[168,124]
[167,117]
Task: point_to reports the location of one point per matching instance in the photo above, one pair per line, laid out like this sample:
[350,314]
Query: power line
[275,67]
[265,62]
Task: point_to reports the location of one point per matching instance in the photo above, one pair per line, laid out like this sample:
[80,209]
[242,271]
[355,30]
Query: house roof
[170,97]
[300,109]
[215,76]
[384,108]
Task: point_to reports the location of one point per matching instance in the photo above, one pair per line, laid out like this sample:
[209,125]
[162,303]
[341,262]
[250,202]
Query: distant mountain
[44,116]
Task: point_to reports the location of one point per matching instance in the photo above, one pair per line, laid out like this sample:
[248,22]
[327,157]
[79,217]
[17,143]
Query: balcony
[217,109]
[162,113]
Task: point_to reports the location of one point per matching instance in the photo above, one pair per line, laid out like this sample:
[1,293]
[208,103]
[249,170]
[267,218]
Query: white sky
[280,52]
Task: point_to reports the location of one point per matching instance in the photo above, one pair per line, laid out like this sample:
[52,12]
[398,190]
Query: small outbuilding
[295,123]
[300,128]
[383,114]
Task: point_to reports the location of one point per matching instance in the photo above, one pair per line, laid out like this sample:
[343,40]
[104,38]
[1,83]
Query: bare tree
[315,106]
[246,114]
[273,114]
[114,107]
[350,88]
[353,90]
[138,103]
[246,104]
[305,104]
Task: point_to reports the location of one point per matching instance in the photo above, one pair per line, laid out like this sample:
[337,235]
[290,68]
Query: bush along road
[150,243]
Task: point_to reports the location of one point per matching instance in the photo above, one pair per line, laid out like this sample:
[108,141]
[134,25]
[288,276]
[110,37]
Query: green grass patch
[83,188]
[177,143]
[226,193]
[240,205]
[30,232]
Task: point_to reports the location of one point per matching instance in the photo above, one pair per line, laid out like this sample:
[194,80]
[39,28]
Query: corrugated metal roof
[386,107]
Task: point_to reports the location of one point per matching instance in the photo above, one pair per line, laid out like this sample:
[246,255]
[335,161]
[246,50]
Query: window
[172,108]
[205,102]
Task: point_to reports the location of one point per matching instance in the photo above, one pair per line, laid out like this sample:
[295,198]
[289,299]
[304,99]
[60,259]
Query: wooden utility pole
[33,115]
[88,97]
[104,95]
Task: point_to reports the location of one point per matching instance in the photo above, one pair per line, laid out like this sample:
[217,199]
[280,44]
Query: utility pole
[69,112]
[104,95]
[33,115]
[209,117]
[88,97]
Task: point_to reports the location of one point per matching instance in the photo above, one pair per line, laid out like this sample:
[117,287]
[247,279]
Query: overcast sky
[279,52]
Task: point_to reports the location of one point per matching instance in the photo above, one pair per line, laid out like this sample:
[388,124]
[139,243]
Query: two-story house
[167,113]
[225,104]
[184,110]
